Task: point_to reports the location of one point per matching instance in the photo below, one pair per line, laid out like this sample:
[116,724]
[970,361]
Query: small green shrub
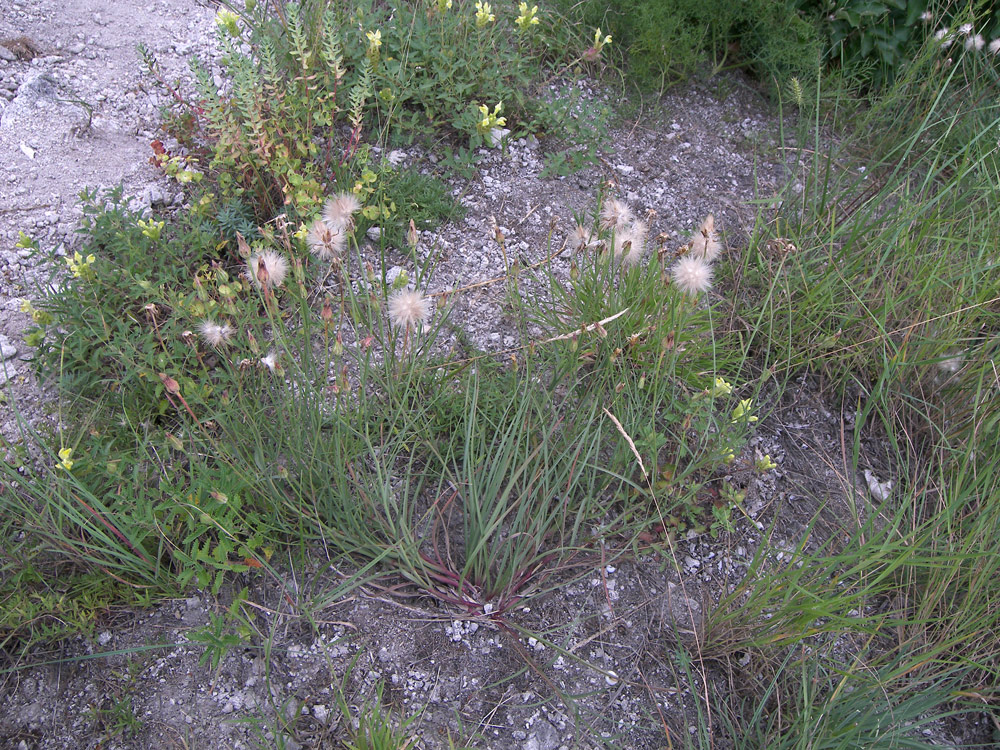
[120,315]
[861,32]
[436,64]
[666,41]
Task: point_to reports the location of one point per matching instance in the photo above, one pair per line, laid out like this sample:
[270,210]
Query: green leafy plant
[219,637]
[666,41]
[861,32]
[273,138]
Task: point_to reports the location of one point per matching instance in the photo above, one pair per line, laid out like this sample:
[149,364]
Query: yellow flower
[599,42]
[64,458]
[444,5]
[742,411]
[489,119]
[40,317]
[374,41]
[228,22]
[527,18]
[484,14]
[78,265]
[720,388]
[766,464]
[151,229]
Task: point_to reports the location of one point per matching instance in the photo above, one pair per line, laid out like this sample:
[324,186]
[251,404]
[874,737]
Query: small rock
[374,233]
[7,349]
[6,54]
[496,136]
[544,736]
[392,274]
[6,373]
[880,490]
[152,196]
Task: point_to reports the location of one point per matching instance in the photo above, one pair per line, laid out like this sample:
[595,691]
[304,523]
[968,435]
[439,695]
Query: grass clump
[284,395]
[877,280]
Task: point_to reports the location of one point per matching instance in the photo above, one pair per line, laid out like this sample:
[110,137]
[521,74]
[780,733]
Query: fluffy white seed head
[340,209]
[631,243]
[705,243]
[215,334]
[326,242]
[952,364]
[409,309]
[580,238]
[975,42]
[994,47]
[692,275]
[616,214]
[267,269]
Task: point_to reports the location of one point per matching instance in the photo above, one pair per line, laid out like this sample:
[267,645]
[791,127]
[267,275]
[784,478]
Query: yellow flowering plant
[527,17]
[374,43]
[765,464]
[599,42]
[151,229]
[489,120]
[720,388]
[79,265]
[484,14]
[227,22]
[742,412]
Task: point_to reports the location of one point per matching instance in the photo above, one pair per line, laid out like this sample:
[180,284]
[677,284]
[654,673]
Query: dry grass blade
[631,443]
